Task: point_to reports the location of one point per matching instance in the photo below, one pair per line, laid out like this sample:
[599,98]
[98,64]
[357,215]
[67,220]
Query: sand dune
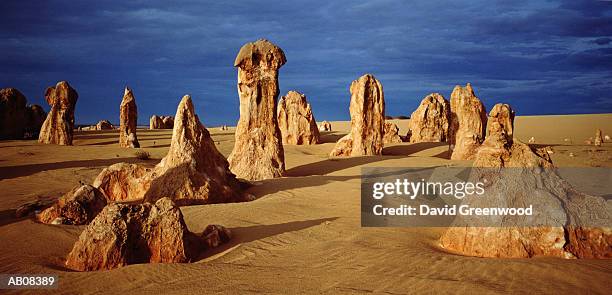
[302,234]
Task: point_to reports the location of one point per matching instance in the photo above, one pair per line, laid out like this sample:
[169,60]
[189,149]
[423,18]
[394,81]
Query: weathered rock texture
[367,110]
[534,184]
[128,234]
[258,151]
[161,122]
[468,123]
[193,171]
[391,134]
[296,121]
[78,206]
[430,121]
[59,124]
[128,119]
[325,126]
[18,120]
[123,182]
[598,137]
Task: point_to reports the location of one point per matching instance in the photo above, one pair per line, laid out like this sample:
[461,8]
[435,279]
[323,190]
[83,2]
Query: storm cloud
[548,57]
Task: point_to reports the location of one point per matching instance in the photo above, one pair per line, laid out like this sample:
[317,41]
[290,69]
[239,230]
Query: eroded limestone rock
[468,123]
[296,121]
[367,110]
[258,151]
[430,121]
[128,119]
[59,124]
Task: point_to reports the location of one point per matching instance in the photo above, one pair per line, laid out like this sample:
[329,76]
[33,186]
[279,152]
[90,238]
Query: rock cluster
[296,121]
[193,171]
[59,125]
[430,121]
[78,206]
[391,133]
[128,119]
[258,151]
[17,119]
[530,182]
[367,110]
[125,234]
[161,122]
[468,123]
[325,126]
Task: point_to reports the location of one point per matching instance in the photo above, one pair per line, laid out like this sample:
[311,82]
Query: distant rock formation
[128,119]
[193,171]
[59,125]
[325,126]
[468,123]
[598,137]
[161,122]
[430,121]
[125,234]
[17,119]
[534,183]
[367,110]
[104,125]
[258,151]
[391,134]
[78,206]
[296,121]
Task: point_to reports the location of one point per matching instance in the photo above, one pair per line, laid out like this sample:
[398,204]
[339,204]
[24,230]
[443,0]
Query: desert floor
[302,234]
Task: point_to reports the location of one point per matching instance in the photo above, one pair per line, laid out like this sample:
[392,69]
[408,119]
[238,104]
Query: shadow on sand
[330,136]
[25,170]
[408,149]
[248,234]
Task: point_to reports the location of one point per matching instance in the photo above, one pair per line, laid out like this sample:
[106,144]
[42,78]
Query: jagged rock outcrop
[296,121]
[193,171]
[59,125]
[78,206]
[125,234]
[391,134]
[128,119]
[564,214]
[468,123]
[258,151]
[598,137]
[325,126]
[367,110]
[161,122]
[430,121]
[17,119]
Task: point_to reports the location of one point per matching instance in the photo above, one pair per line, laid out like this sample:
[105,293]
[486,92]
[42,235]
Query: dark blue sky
[542,57]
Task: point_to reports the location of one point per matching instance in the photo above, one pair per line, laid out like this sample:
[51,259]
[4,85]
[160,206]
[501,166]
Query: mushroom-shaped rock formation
[258,150]
[59,125]
[367,110]
[296,121]
[430,121]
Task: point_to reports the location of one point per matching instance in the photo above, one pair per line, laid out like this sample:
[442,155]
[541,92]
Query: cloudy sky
[542,57]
